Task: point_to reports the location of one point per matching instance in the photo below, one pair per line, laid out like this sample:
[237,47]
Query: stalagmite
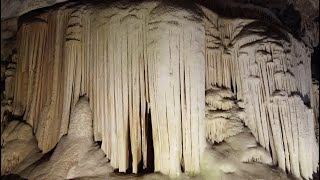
[76,153]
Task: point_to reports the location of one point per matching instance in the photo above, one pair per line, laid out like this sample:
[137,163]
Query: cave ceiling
[300,17]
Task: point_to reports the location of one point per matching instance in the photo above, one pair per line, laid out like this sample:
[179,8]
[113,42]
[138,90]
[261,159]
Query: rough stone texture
[9,29]
[17,144]
[300,17]
[6,109]
[239,157]
[297,15]
[16,8]
[76,155]
[8,68]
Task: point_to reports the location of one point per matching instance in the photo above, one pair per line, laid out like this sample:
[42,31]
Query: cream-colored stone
[76,155]
[133,60]
[17,143]
[238,157]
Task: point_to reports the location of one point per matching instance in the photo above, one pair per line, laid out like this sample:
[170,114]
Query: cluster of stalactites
[40,87]
[270,72]
[296,148]
[137,59]
[257,68]
[130,61]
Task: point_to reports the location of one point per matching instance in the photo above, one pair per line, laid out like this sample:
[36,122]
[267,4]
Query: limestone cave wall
[199,76]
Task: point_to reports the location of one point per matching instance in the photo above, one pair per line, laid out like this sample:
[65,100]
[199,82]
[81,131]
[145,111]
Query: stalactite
[287,132]
[121,78]
[297,137]
[275,73]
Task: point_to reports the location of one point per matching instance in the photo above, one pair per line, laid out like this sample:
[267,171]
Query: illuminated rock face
[76,154]
[130,60]
[183,71]
[270,73]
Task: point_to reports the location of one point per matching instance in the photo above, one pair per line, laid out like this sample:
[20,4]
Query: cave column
[176,67]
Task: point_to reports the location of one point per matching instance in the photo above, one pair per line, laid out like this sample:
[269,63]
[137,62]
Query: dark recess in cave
[315,63]
[99,143]
[12,177]
[150,151]
[292,19]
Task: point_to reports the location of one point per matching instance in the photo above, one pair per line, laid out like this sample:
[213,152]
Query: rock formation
[237,158]
[76,155]
[224,117]
[122,71]
[161,78]
[18,147]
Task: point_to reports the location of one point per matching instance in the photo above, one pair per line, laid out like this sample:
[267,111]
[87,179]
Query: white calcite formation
[271,73]
[196,74]
[77,52]
[224,117]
